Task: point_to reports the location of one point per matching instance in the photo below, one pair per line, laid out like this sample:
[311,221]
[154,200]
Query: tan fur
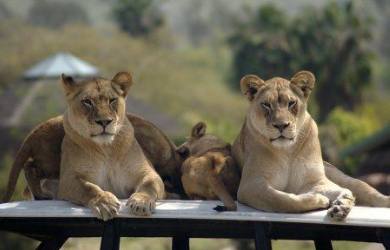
[160,151]
[365,194]
[40,155]
[101,159]
[209,172]
[279,151]
[42,149]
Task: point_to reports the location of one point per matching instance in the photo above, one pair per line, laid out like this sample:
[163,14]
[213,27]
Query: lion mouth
[281,137]
[104,133]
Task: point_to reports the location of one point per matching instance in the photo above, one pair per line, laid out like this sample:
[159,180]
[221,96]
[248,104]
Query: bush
[137,17]
[351,127]
[330,42]
[344,128]
[56,14]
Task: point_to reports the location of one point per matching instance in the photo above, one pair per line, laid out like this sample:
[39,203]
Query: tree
[137,17]
[56,14]
[332,43]
[4,12]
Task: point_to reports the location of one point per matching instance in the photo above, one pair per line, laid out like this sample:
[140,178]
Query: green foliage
[194,92]
[330,42]
[56,14]
[6,161]
[4,12]
[344,128]
[16,242]
[137,17]
[352,127]
[270,19]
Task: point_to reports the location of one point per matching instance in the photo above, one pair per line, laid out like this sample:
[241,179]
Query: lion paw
[339,212]
[141,204]
[105,207]
[315,200]
[341,207]
[322,200]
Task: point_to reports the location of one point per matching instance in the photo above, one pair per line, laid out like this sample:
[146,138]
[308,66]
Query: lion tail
[22,156]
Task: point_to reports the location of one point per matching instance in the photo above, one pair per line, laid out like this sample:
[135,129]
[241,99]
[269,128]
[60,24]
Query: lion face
[278,106]
[96,107]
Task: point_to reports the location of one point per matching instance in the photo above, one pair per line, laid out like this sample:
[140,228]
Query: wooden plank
[359,216]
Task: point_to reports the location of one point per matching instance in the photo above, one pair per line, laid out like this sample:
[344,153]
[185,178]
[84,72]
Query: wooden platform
[53,222]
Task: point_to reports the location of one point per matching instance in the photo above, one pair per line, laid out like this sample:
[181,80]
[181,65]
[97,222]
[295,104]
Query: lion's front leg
[143,201]
[341,199]
[75,189]
[262,196]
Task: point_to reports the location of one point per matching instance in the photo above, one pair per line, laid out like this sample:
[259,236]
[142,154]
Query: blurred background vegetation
[187,58]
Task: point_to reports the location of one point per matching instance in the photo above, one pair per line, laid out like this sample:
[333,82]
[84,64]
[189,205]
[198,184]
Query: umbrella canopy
[59,63]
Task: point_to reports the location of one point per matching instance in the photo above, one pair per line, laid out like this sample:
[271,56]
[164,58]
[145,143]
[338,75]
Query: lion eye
[266,105]
[291,104]
[87,103]
[113,101]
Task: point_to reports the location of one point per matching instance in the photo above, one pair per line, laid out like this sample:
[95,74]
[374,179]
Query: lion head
[96,107]
[277,106]
[199,142]
[209,171]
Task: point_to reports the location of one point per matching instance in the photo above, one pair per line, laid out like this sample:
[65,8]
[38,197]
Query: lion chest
[285,175]
[296,178]
[302,173]
[113,177]
[278,176]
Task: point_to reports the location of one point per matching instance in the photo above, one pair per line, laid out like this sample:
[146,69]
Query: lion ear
[250,84]
[304,80]
[124,81]
[198,130]
[68,83]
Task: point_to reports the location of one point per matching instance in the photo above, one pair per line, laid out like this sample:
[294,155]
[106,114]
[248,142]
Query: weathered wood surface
[181,209]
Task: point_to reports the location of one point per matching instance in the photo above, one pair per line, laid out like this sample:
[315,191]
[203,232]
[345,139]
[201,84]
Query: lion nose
[104,123]
[281,126]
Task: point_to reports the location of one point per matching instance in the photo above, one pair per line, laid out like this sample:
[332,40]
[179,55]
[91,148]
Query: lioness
[209,172]
[279,151]
[40,153]
[101,159]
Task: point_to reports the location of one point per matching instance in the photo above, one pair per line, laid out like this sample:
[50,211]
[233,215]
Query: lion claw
[106,206]
[141,204]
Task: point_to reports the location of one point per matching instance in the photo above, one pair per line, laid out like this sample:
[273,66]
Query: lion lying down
[290,170]
[279,153]
[209,172]
[101,158]
[40,155]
